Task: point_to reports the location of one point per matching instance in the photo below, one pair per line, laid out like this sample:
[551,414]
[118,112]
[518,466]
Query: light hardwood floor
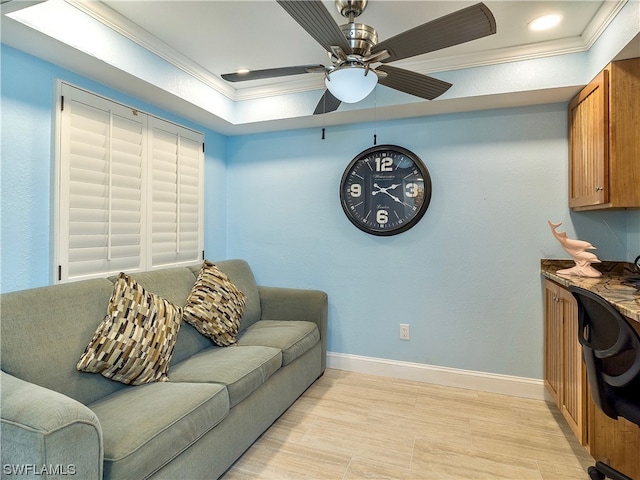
[351,426]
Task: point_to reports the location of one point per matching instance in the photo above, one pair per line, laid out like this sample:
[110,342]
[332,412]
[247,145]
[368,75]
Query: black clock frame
[402,226]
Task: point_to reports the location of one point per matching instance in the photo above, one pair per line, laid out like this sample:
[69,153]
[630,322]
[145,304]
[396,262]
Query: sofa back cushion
[45,330]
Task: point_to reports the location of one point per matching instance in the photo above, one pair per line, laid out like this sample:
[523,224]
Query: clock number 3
[412,190]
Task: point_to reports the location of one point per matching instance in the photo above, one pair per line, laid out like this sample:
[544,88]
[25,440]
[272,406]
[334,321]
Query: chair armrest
[46,434]
[279,303]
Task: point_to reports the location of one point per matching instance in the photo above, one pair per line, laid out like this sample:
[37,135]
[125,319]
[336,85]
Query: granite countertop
[614,285]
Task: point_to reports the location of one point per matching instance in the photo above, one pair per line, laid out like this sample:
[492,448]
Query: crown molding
[122,25]
[601,20]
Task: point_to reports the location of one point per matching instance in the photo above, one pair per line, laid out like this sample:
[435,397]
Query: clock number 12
[384,164]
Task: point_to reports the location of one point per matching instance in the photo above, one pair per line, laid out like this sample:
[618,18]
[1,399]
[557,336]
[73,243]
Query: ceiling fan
[354,50]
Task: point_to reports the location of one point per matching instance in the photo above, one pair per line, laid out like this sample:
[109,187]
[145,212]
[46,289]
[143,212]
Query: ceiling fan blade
[317,22]
[328,103]
[412,83]
[272,73]
[462,26]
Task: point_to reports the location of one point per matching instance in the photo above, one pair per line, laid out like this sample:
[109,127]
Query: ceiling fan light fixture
[351,83]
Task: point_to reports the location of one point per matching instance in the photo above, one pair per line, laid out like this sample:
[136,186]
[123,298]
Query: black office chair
[611,353]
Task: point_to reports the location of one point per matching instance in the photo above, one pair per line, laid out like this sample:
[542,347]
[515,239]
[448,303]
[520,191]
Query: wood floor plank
[350,426]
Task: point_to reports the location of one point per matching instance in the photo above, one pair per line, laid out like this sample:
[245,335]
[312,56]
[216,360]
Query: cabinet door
[564,370]
[589,144]
[624,140]
[574,397]
[553,342]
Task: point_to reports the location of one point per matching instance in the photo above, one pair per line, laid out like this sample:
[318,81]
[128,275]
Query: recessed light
[545,22]
[242,71]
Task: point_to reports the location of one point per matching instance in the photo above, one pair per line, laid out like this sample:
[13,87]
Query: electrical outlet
[404,331]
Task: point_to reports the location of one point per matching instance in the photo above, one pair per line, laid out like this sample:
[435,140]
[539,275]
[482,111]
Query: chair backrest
[610,346]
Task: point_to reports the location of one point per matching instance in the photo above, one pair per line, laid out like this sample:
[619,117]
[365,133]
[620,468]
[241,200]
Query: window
[128,191]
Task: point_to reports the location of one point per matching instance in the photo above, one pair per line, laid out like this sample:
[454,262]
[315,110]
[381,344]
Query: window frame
[61,231]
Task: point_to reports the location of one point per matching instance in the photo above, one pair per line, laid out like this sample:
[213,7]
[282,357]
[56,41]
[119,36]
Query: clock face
[385,190]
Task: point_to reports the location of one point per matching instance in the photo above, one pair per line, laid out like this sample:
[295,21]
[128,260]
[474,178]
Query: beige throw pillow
[134,342]
[215,305]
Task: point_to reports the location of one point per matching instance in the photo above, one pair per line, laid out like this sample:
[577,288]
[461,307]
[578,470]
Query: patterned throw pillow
[134,342]
[215,305]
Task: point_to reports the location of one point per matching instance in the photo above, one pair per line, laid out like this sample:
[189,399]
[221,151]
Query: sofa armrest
[279,303]
[46,434]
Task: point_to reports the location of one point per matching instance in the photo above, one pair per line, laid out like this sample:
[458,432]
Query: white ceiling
[223,36]
[207,38]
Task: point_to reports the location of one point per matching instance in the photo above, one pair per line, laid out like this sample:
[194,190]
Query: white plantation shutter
[108,190]
[176,159]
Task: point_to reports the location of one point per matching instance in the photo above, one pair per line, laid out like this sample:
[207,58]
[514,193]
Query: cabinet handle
[599,188]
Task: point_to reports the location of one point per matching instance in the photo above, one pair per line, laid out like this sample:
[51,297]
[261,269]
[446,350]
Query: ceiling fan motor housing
[361,37]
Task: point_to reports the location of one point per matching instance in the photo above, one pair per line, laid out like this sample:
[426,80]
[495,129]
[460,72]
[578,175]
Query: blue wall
[466,277]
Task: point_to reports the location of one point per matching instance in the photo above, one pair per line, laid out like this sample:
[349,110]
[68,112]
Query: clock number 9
[382,217]
[355,190]
[412,190]
[384,164]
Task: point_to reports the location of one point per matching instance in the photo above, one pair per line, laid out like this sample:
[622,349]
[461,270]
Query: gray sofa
[58,422]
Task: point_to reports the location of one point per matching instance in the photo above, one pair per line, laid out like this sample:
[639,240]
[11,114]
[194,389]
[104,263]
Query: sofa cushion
[174,284]
[215,305]
[145,427]
[292,337]
[241,369]
[135,341]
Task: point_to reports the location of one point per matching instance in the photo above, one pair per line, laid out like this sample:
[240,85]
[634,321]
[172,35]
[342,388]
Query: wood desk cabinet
[616,442]
[564,370]
[604,145]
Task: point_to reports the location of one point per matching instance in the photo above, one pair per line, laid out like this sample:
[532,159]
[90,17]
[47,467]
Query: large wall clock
[385,190]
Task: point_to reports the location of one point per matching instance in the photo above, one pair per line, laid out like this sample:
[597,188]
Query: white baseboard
[451,377]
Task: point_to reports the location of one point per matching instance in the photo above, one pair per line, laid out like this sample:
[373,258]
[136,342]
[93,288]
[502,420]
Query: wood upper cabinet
[564,370]
[604,144]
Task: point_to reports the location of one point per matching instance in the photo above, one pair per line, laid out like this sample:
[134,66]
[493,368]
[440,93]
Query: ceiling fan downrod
[351,8]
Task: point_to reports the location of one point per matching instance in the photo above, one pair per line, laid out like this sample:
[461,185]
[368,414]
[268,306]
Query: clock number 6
[382,217]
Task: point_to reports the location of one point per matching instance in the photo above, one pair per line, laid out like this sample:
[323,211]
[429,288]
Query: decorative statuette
[578,251]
